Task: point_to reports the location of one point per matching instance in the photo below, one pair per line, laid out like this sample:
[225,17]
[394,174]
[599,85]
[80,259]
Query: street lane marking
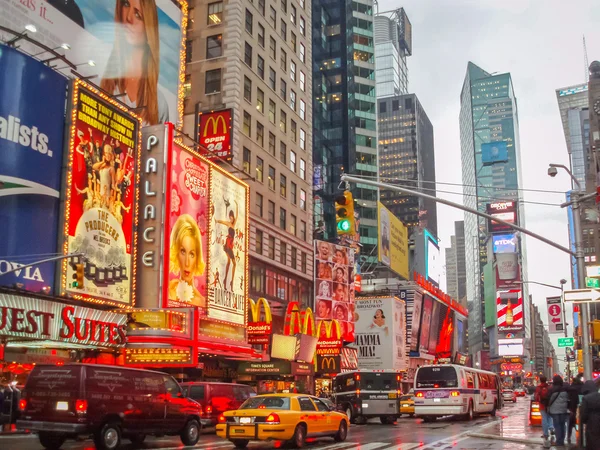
[448,440]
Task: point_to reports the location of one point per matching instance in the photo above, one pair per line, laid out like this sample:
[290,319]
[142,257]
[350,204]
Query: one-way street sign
[582,295]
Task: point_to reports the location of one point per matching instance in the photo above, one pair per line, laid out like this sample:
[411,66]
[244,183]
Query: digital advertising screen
[425,324]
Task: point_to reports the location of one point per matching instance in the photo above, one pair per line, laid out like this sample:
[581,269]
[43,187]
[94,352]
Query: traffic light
[78,276]
[344,213]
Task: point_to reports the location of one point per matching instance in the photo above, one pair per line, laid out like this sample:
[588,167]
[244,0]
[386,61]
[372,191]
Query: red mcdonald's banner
[213,131]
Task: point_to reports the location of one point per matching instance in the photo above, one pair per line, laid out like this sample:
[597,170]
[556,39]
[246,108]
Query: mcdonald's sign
[213,132]
[259,331]
[299,322]
[329,333]
[328,364]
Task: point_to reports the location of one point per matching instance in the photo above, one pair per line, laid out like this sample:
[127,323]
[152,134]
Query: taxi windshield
[266,403]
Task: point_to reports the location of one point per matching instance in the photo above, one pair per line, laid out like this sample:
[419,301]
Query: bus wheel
[428,419]
[469,415]
[350,415]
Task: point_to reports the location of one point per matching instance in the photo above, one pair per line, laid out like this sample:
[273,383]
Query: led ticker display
[506,211]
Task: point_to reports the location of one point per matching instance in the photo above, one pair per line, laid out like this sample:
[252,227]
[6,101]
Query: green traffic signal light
[344,225]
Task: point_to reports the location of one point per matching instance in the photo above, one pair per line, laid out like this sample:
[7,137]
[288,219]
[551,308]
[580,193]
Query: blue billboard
[504,243]
[494,152]
[32,119]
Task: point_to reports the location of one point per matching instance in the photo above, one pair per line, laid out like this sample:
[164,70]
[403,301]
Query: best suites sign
[23,317]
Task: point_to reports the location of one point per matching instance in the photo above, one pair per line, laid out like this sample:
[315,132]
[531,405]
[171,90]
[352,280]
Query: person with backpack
[558,407]
[542,395]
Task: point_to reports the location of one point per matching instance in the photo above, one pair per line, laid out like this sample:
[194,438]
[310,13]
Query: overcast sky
[540,43]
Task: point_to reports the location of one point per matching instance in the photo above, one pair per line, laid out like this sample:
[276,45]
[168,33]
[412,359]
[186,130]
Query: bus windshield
[437,377]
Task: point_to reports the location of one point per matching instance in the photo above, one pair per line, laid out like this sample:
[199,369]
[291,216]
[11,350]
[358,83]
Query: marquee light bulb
[31,28]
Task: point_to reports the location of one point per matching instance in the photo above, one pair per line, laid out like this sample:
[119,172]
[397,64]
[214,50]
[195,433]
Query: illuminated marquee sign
[433,289]
[506,211]
[213,131]
[158,356]
[259,331]
[24,317]
[330,337]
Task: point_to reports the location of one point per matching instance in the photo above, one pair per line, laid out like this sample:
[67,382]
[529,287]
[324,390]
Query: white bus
[448,389]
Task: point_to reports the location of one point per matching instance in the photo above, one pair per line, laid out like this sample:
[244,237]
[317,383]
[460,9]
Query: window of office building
[293,161]
[272,178]
[293,224]
[271,212]
[271,144]
[303,230]
[294,257]
[272,247]
[302,81]
[302,53]
[302,139]
[293,14]
[293,41]
[212,84]
[214,46]
[247,89]
[272,78]
[293,70]
[272,112]
[294,130]
[302,110]
[303,199]
[283,87]
[248,54]
[273,17]
[282,185]
[302,26]
[259,241]
[249,20]
[293,193]
[260,134]
[261,7]
[260,67]
[260,169]
[259,204]
[282,252]
[283,120]
[282,153]
[272,48]
[215,13]
[247,160]
[293,99]
[283,60]
[247,127]
[260,100]
[282,219]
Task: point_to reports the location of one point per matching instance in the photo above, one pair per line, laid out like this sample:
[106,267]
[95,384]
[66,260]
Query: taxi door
[325,422]
[310,415]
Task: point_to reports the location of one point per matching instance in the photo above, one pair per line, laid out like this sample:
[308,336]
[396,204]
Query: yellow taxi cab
[407,405]
[282,417]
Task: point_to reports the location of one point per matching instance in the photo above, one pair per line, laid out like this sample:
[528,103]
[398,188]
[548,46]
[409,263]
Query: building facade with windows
[491,173]
[456,273]
[344,115]
[254,59]
[406,156]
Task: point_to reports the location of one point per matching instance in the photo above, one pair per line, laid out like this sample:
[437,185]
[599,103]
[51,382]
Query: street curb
[506,438]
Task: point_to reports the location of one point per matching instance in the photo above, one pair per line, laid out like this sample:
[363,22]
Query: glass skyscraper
[344,115]
[488,114]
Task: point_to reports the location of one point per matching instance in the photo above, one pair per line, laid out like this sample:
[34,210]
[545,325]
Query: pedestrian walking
[589,414]
[558,407]
[542,396]
[574,392]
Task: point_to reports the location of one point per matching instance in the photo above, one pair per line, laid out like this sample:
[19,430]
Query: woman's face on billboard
[187,258]
[133,21]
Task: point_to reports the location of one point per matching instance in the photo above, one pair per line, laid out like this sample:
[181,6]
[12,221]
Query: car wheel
[191,432]
[137,439]
[299,439]
[428,419]
[342,432]
[240,443]
[109,437]
[51,441]
[387,420]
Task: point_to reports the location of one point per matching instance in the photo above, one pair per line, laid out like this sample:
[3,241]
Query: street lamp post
[576,198]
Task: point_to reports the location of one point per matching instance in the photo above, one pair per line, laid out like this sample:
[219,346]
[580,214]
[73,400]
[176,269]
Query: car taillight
[209,409]
[272,418]
[419,394]
[357,377]
[358,392]
[436,386]
[81,406]
[22,404]
[454,394]
[222,418]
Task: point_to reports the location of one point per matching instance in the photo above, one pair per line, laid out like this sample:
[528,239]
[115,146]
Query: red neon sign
[441,295]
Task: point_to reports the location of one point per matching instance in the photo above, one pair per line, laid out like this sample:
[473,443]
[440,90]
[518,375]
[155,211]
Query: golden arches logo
[329,363]
[297,321]
[331,328]
[254,309]
[215,120]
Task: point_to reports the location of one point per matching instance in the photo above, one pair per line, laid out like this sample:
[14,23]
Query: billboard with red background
[213,132]
[510,310]
[101,207]
[186,251]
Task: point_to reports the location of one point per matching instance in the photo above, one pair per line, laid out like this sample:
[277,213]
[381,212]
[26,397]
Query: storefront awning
[231,351]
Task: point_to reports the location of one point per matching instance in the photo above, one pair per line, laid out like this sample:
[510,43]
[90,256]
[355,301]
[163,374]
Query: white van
[448,389]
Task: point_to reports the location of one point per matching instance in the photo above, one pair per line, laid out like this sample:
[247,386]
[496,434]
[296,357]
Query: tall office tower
[406,155]
[455,265]
[249,99]
[491,169]
[393,44]
[574,113]
[451,269]
[344,115]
